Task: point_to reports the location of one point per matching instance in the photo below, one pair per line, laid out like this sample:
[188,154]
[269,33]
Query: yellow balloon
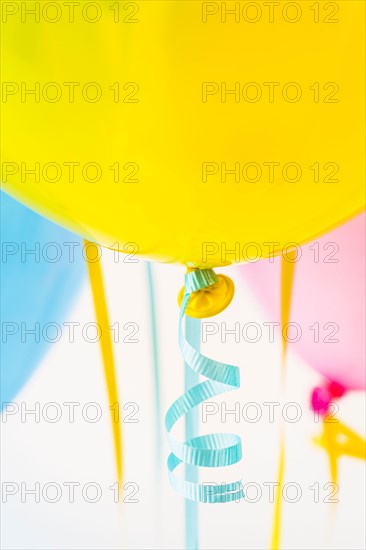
[204,133]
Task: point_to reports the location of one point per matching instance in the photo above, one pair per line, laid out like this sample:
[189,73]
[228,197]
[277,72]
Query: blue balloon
[39,281]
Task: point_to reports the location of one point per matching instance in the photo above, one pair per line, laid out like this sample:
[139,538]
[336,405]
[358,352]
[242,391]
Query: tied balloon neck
[206,293]
[323,396]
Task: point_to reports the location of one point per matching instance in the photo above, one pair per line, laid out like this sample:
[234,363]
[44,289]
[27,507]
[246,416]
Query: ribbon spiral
[214,450]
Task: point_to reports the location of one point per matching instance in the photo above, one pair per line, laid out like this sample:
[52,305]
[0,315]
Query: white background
[82,451]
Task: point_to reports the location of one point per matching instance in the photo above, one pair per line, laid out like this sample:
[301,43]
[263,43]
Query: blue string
[155,359]
[214,450]
[191,379]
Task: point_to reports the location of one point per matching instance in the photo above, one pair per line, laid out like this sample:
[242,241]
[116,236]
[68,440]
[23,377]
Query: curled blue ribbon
[214,450]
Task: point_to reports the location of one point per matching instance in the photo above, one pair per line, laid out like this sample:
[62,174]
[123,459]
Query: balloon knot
[322,396]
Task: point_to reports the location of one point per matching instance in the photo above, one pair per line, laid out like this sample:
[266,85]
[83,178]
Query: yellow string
[101,311]
[287,277]
[275,542]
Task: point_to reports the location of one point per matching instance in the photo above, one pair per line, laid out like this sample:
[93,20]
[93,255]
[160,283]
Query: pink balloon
[328,302]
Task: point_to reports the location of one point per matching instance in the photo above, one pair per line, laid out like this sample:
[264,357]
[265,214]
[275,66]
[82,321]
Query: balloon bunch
[145,155]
